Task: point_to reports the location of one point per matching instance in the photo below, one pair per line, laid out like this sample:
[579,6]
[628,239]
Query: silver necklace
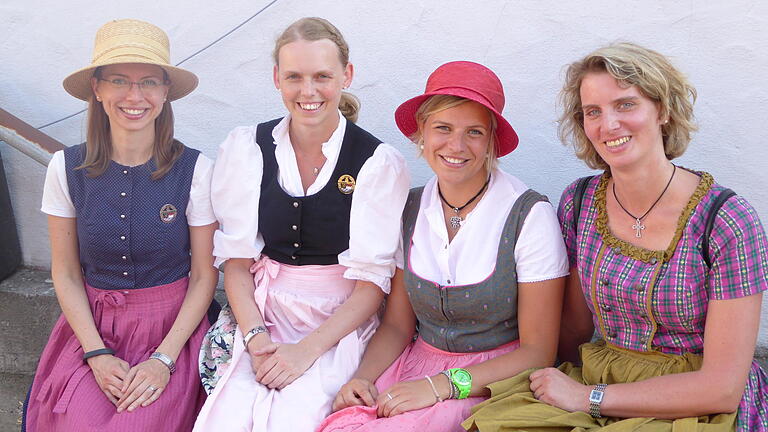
[455,220]
[638,225]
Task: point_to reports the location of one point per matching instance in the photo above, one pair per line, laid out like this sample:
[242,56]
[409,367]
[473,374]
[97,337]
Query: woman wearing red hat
[483,267]
[668,266]
[131,228]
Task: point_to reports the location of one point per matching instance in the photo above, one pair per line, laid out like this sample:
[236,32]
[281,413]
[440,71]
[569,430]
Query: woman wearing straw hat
[677,324]
[310,209]
[131,230]
[482,273]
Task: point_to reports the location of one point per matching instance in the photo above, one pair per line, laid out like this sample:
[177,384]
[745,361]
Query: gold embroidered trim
[636,252]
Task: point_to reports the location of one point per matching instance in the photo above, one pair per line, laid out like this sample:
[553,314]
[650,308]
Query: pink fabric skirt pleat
[65,396]
[418,359]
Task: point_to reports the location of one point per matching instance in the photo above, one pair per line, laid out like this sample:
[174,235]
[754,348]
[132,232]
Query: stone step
[12,393]
[28,310]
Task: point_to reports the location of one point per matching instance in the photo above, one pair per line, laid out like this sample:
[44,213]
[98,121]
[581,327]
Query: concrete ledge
[28,310]
[12,395]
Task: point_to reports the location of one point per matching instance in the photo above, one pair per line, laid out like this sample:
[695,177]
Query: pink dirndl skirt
[64,394]
[418,359]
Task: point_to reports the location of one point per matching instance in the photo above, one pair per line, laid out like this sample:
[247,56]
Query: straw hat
[468,80]
[131,41]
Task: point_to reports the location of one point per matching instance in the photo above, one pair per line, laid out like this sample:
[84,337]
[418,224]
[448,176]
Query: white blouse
[380,192]
[471,256]
[57,202]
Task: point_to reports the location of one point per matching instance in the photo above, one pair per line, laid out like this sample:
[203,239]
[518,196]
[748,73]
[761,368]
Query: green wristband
[462,379]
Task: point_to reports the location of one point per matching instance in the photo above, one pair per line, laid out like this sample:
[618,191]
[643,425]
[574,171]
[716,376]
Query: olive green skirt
[512,406]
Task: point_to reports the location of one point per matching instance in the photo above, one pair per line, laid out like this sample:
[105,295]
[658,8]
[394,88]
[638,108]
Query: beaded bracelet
[97,352]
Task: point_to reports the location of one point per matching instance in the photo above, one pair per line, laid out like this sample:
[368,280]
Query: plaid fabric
[657,300]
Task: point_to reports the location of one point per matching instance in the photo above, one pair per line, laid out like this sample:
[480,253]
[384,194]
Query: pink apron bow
[263,270]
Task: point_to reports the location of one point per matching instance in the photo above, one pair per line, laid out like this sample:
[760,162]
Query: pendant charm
[455,222]
[638,226]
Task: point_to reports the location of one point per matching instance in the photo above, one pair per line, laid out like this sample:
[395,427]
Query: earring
[98,99]
[421,147]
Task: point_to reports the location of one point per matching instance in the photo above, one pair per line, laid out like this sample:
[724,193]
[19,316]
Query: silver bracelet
[434,389]
[253,332]
[164,359]
[452,394]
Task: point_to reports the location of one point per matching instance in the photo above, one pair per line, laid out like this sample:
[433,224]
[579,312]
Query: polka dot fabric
[132,230]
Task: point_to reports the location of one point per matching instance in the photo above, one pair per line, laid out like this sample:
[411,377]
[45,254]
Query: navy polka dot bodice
[132,230]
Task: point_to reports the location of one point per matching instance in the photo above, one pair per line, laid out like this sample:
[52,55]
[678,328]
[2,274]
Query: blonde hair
[435,104]
[631,65]
[312,29]
[98,144]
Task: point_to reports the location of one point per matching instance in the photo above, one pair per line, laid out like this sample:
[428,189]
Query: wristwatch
[254,331]
[595,399]
[462,380]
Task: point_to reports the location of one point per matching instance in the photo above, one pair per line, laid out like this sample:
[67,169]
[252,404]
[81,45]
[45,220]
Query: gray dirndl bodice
[475,317]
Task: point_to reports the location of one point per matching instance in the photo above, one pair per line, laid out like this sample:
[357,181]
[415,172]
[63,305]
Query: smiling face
[622,124]
[456,142]
[131,109]
[310,77]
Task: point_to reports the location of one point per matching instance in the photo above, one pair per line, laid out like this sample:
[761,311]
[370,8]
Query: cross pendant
[455,222]
[638,226]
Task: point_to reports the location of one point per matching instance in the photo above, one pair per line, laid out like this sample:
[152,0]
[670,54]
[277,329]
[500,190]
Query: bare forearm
[385,346]
[508,365]
[73,300]
[239,286]
[193,309]
[671,396]
[364,302]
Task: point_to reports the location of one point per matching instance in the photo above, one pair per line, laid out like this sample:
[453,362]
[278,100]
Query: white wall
[395,44]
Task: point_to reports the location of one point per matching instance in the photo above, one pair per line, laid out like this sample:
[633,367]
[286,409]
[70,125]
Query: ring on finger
[151,388]
[389,396]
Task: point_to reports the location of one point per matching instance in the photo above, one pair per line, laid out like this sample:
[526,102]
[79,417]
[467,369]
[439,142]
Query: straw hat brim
[78,84]
[405,117]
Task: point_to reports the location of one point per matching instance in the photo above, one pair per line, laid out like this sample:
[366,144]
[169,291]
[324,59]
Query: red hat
[468,80]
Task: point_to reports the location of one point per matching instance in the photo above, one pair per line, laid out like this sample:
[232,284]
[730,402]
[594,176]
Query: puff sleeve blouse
[377,203]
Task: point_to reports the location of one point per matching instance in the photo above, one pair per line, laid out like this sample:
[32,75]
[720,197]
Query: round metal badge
[168,213]
[346,184]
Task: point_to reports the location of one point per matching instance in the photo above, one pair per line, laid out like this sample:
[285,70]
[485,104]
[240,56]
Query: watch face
[462,377]
[595,396]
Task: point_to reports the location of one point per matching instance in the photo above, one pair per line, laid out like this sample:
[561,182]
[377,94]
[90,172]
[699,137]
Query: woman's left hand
[285,363]
[405,396]
[143,385]
[552,386]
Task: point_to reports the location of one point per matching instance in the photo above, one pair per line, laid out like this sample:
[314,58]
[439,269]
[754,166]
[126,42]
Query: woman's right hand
[357,391]
[109,372]
[254,346]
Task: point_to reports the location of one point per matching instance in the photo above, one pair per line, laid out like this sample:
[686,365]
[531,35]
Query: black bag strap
[578,197]
[719,201]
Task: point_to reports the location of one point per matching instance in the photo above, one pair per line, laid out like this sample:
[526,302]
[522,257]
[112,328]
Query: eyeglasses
[147,86]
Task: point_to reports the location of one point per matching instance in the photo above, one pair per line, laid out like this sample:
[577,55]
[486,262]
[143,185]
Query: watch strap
[164,359]
[594,407]
[253,332]
[463,386]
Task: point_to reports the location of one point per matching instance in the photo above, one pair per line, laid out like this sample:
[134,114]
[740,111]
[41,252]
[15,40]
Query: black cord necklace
[456,219]
[638,226]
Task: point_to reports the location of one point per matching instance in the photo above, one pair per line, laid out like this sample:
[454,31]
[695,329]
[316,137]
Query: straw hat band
[160,54]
